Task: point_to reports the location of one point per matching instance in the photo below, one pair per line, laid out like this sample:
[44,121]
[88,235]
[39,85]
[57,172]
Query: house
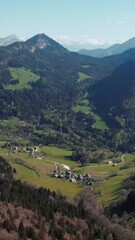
[109,162]
[80,177]
[73,180]
[87,175]
[114,164]
[36,149]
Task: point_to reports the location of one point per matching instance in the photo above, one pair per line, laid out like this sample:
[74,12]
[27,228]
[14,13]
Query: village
[61,171]
[84,179]
[33,151]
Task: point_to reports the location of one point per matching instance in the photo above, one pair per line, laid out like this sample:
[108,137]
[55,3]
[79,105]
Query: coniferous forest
[72,101]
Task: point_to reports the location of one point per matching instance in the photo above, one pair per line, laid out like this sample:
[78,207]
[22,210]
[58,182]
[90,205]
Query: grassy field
[25,76]
[59,155]
[40,132]
[82,77]
[110,188]
[10,123]
[99,124]
[46,133]
[44,168]
[85,108]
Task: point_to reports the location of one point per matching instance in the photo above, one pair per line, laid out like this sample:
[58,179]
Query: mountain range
[115,49]
[50,97]
[61,82]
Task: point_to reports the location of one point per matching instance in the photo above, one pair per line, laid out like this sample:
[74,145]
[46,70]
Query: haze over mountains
[115,49]
[8,40]
[98,52]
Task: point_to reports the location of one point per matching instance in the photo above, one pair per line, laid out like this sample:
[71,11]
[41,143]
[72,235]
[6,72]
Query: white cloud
[83,40]
[65,39]
[22,38]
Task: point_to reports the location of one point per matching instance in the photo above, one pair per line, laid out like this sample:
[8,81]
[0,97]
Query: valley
[67,131]
[37,169]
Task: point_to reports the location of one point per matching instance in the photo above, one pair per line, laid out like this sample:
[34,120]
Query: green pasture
[2,142]
[82,76]
[99,124]
[25,76]
[110,189]
[44,167]
[10,123]
[85,102]
[24,142]
[24,174]
[59,155]
[83,108]
[40,132]
[44,132]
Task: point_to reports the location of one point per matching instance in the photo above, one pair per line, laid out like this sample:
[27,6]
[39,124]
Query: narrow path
[60,164]
[122,157]
[102,165]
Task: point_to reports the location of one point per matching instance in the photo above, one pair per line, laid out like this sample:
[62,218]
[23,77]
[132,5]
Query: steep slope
[114,98]
[113,90]
[115,49]
[48,103]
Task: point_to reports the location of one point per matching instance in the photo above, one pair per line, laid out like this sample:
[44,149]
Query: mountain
[115,49]
[42,41]
[58,81]
[8,40]
[119,84]
[114,98]
[51,96]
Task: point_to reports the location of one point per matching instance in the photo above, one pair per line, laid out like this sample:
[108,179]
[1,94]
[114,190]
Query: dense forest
[57,96]
[30,213]
[48,104]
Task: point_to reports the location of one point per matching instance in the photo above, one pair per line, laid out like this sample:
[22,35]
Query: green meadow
[44,167]
[82,76]
[85,108]
[99,123]
[41,171]
[25,77]
[111,187]
[10,123]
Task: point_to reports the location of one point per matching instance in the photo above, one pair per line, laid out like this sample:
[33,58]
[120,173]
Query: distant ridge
[114,49]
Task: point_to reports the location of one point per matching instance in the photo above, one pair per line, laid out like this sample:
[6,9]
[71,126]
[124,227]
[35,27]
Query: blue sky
[91,23]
